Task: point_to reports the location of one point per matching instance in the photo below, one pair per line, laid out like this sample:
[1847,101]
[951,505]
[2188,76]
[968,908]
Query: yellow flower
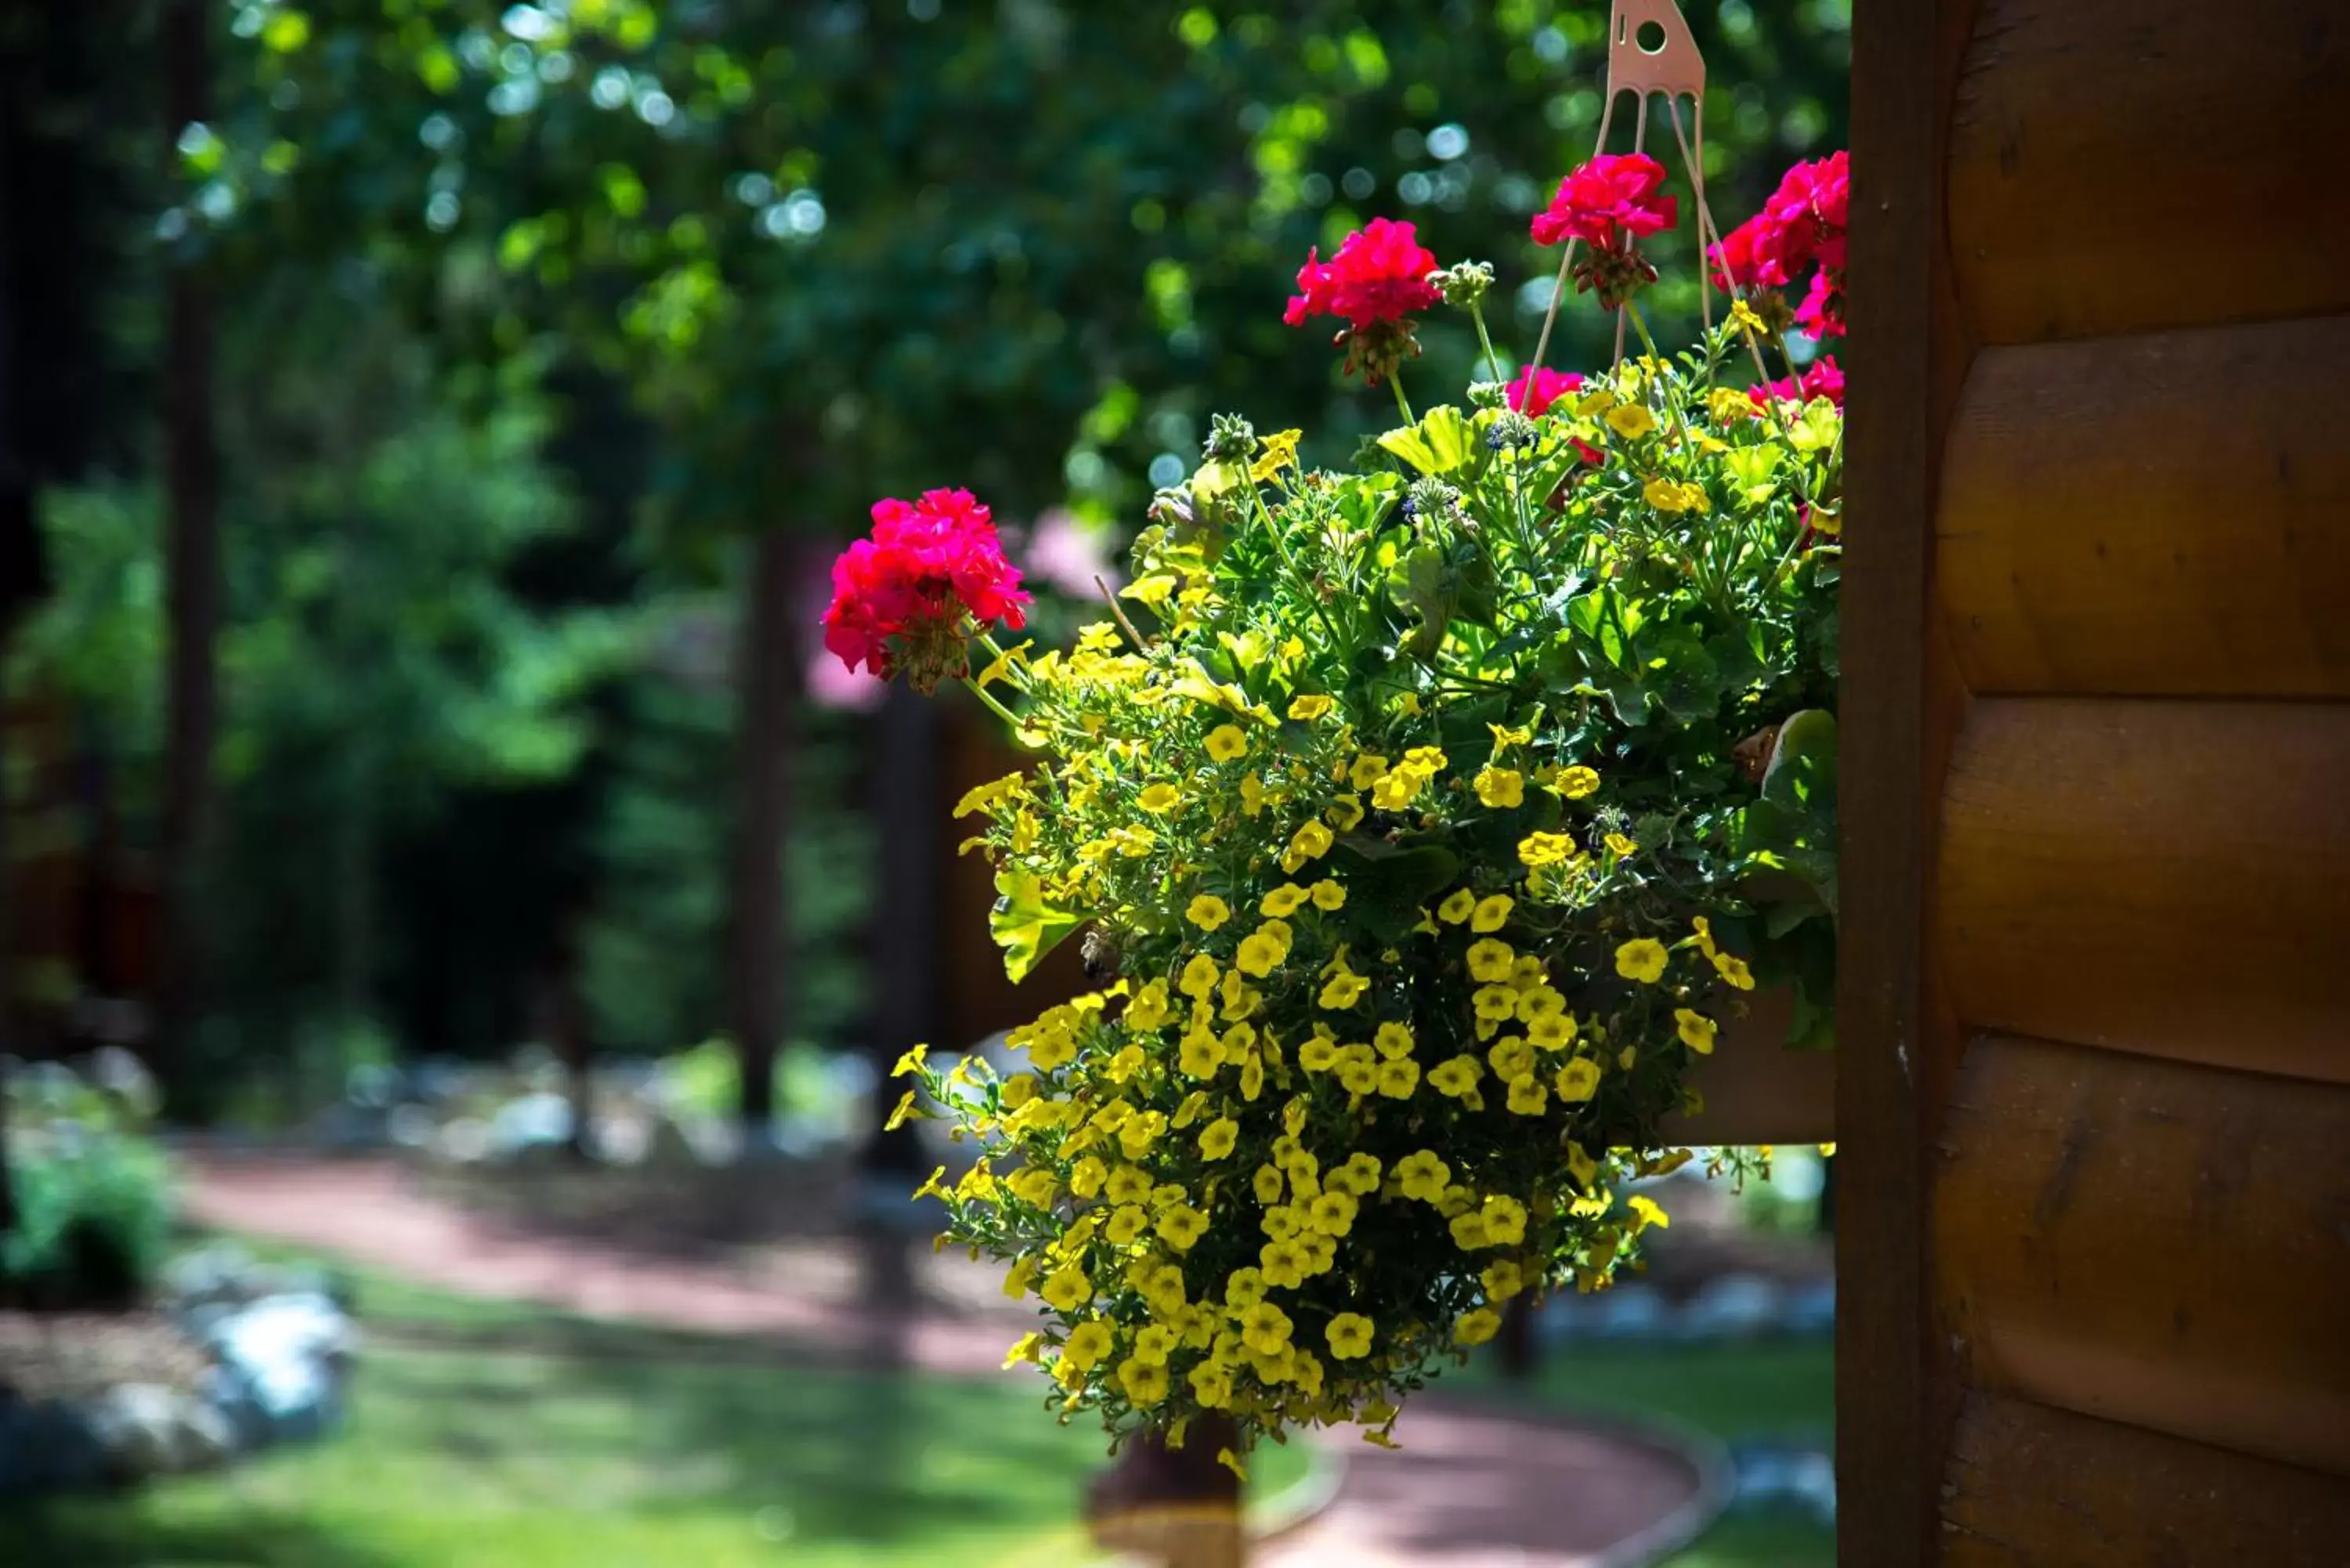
[1734,970]
[1219,1140]
[1311,707]
[1648,1211]
[1512,1058]
[1067,1289]
[1128,1185]
[1260,954]
[1491,912]
[1311,843]
[1345,811]
[1368,769]
[1540,849]
[1126,1225]
[1251,795]
[1358,1077]
[1506,1221]
[1208,911]
[1502,788]
[1144,1382]
[1226,741]
[1086,1176]
[1456,1077]
[1283,900]
[1458,906]
[1576,783]
[1641,959]
[1578,1080]
[911,1062]
[1034,1186]
[1277,451]
[1342,991]
[1027,1347]
[1359,1175]
[1264,1328]
[1138,1135]
[1181,1226]
[1620,846]
[1490,961]
[1211,1384]
[1502,1279]
[1666,497]
[1393,1039]
[1088,1344]
[1528,1097]
[1266,1183]
[1704,937]
[1469,1231]
[1153,1344]
[1318,1054]
[1022,1278]
[1199,977]
[1328,896]
[1349,1335]
[1159,799]
[1697,1030]
[1630,420]
[1201,1055]
[1243,1288]
[1477,1327]
[1423,1174]
[1332,1214]
[1595,404]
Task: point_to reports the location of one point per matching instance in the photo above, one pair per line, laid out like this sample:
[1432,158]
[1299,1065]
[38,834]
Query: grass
[518,1438]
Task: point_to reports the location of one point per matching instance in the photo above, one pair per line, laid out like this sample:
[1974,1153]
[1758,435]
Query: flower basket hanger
[1671,69]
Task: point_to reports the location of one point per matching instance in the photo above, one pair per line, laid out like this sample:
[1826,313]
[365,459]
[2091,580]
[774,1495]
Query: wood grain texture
[2126,165]
[2152,1242]
[2167,514]
[2029,1487]
[1908,356]
[2162,877]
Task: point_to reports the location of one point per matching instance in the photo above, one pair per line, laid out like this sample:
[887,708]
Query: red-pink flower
[1379,275]
[1614,193]
[1753,255]
[911,597]
[1548,387]
[1821,312]
[1824,380]
[1805,223]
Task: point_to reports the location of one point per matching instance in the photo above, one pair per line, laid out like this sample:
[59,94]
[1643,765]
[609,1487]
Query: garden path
[1470,1488]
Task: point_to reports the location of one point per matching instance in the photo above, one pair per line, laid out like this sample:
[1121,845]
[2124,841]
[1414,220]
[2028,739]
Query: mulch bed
[76,1355]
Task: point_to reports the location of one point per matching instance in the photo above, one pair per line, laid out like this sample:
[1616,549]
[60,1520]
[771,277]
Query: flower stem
[1492,360]
[1395,382]
[1000,710]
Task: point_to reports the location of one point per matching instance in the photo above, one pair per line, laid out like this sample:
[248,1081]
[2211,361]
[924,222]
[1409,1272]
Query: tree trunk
[1173,1508]
[191,577]
[758,979]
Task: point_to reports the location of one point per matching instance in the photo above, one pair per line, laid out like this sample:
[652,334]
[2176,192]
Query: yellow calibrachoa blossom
[1227,742]
[1477,1327]
[1349,1335]
[1310,707]
[1620,844]
[1328,896]
[1456,1077]
[1310,842]
[1630,420]
[1501,789]
[1734,969]
[1491,913]
[1159,798]
[1086,1345]
[1576,783]
[1502,1279]
[1208,912]
[1578,1080]
[1696,1029]
[1541,850]
[1066,1289]
[1283,900]
[1458,906]
[1490,961]
[1220,1138]
[1641,959]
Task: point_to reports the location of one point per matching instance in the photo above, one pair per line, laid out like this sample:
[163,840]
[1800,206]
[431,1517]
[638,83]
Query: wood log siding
[2109,1321]
[2163,877]
[2129,1497]
[2166,515]
[2121,166]
[2112,1235]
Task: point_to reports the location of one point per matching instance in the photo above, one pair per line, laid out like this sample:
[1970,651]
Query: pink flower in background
[1824,378]
[1548,387]
[1064,552]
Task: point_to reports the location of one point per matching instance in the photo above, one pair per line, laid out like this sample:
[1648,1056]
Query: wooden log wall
[2095,1087]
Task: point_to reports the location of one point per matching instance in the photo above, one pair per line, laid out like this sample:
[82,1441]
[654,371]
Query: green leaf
[1442,444]
[1023,925]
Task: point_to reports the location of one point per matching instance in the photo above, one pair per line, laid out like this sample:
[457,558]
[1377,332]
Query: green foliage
[93,1193]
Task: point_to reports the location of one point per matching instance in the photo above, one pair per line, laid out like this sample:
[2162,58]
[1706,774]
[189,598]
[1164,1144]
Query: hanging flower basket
[1422,821]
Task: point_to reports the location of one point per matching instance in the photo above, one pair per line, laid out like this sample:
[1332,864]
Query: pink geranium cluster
[1533,391]
[1804,224]
[1824,380]
[1607,203]
[911,597]
[1378,276]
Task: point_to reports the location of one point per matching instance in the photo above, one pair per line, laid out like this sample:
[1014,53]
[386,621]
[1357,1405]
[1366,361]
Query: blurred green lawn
[525,1439]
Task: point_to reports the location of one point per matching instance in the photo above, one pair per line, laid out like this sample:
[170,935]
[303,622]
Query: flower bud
[1464,283]
[1231,439]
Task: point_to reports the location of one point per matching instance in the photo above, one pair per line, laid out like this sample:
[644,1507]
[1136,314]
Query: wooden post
[1173,1507]
[768,686]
